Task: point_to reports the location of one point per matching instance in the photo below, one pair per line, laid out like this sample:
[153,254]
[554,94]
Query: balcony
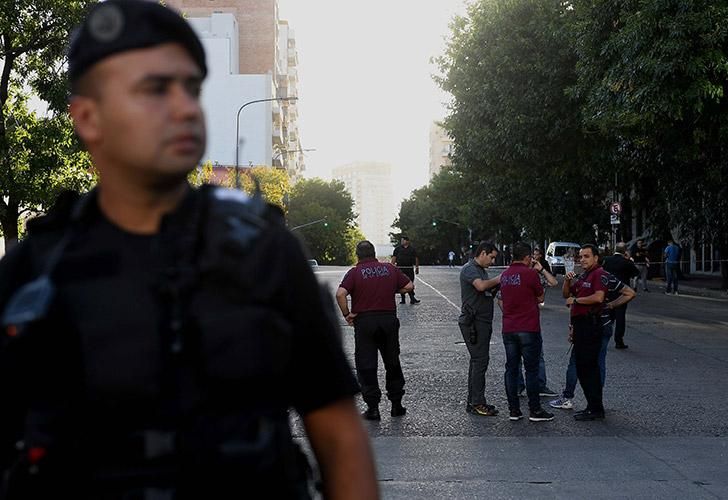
[277,135]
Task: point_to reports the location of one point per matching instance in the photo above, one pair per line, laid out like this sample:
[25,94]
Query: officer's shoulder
[241,202]
[57,217]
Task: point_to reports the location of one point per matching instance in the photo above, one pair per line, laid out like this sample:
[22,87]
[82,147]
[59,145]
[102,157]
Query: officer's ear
[85,115]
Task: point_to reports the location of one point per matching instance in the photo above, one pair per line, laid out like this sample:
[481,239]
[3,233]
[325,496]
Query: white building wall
[224,91]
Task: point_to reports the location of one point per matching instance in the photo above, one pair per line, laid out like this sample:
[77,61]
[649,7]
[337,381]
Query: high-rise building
[370,186]
[251,56]
[440,148]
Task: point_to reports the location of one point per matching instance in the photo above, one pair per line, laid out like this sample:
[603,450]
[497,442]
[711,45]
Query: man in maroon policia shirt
[519,297]
[585,294]
[372,286]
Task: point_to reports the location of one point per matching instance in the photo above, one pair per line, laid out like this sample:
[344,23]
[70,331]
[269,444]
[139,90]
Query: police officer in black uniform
[406,259]
[146,349]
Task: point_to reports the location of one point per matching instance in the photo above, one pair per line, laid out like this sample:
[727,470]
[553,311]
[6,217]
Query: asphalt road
[665,435]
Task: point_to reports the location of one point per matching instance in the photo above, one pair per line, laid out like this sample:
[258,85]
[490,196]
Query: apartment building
[370,186]
[440,148]
[251,56]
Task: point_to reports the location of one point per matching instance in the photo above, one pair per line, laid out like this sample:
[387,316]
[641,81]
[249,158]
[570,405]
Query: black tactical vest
[169,363]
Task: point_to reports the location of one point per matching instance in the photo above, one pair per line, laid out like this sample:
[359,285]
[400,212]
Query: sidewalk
[704,286]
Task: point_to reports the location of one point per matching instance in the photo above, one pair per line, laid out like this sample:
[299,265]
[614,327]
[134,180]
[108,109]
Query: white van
[555,255]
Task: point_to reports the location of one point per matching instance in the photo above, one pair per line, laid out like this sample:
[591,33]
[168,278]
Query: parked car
[555,253]
[313,263]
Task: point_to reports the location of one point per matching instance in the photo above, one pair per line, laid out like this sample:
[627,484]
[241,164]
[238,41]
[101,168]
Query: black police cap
[116,26]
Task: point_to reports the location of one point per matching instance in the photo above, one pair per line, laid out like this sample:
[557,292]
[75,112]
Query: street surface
[665,435]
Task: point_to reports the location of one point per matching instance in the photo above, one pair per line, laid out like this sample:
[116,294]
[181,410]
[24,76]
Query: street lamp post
[470,230]
[310,223]
[237,131]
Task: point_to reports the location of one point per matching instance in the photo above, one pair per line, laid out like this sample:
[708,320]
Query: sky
[365,82]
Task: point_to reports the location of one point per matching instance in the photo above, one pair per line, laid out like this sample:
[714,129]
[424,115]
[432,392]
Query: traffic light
[434,222]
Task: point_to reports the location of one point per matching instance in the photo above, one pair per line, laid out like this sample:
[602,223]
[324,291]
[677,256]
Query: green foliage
[653,78]
[314,199]
[203,174]
[559,107]
[38,156]
[274,183]
[521,160]
[43,160]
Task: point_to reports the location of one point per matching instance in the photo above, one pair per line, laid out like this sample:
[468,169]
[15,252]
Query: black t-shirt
[640,255]
[406,256]
[260,334]
[624,269]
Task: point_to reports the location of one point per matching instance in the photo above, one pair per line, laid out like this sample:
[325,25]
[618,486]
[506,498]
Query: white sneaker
[563,403]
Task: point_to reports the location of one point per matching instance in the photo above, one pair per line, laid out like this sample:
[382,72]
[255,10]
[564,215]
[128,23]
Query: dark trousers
[410,273]
[479,358]
[671,275]
[374,333]
[620,321]
[528,346]
[587,344]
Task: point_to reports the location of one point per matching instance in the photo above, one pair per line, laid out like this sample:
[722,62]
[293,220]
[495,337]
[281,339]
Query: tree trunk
[9,223]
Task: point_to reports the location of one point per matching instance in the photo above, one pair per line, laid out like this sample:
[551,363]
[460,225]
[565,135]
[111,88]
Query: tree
[324,214]
[653,78]
[518,138]
[204,174]
[38,156]
[274,183]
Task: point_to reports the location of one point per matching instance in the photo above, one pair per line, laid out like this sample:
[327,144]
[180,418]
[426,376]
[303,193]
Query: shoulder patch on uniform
[226,194]
[605,279]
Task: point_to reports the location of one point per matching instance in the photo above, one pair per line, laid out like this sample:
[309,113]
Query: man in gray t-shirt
[476,324]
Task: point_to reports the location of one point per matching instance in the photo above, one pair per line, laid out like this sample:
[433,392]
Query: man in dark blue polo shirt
[372,286]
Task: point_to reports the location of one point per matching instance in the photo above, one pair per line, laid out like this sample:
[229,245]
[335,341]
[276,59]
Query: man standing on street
[520,294]
[155,336]
[476,324]
[624,270]
[642,261]
[451,259]
[618,294]
[405,258]
[372,286]
[584,295]
[547,279]
[671,256]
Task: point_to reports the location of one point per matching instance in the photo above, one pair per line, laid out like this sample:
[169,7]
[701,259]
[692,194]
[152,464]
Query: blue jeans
[571,370]
[541,374]
[528,346]
[671,276]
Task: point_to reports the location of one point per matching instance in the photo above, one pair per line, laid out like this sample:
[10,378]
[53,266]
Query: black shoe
[587,415]
[414,301]
[515,415]
[398,410]
[620,345]
[546,392]
[646,290]
[372,413]
[540,415]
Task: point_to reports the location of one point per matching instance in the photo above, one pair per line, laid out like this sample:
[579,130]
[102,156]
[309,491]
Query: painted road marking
[438,293]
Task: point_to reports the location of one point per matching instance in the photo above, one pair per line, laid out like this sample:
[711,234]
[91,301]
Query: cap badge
[106,23]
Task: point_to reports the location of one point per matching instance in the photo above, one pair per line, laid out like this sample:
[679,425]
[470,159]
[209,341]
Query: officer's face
[142,118]
[587,259]
[487,259]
